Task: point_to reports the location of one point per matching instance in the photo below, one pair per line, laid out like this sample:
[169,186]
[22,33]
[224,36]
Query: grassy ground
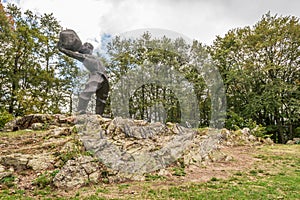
[262,172]
[276,175]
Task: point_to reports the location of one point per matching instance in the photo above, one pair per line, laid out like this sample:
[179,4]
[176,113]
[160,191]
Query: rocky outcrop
[137,147]
[78,172]
[88,149]
[39,122]
[293,141]
[20,161]
[243,137]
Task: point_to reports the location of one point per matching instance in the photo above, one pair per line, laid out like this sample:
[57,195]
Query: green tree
[146,52]
[260,67]
[35,77]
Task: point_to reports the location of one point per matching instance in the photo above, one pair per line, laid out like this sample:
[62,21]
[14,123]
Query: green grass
[154,177]
[8,181]
[287,187]
[275,175]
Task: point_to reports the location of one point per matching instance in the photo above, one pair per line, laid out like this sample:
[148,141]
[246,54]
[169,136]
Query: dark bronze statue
[70,44]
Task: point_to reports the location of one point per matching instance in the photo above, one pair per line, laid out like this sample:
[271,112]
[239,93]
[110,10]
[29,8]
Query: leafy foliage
[150,99]
[4,118]
[260,67]
[35,77]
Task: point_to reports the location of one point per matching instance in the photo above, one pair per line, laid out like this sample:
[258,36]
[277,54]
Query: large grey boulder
[69,39]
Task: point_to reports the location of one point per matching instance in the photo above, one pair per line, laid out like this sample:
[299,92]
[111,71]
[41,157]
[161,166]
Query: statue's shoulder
[91,60]
[92,57]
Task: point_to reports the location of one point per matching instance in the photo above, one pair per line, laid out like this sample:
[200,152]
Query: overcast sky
[196,19]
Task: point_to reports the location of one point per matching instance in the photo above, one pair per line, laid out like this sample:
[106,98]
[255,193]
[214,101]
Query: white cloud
[82,17]
[197,19]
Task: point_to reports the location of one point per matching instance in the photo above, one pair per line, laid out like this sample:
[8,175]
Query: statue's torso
[97,72]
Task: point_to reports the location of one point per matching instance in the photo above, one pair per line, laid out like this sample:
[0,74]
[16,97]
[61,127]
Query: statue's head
[86,48]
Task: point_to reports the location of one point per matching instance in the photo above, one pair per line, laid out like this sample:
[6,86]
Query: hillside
[46,156]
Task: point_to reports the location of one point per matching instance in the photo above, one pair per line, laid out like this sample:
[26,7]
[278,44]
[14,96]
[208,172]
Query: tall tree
[35,77]
[260,66]
[169,58]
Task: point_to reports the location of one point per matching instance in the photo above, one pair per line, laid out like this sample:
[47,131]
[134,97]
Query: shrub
[4,118]
[236,122]
[260,131]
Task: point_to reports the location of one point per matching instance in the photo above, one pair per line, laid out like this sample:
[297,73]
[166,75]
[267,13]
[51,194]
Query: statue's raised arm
[72,54]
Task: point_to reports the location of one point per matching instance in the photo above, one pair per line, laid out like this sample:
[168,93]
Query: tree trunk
[14,86]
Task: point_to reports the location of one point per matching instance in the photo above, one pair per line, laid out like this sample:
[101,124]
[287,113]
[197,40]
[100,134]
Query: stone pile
[243,137]
[293,141]
[39,122]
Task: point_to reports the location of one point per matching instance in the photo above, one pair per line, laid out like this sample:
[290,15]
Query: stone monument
[71,45]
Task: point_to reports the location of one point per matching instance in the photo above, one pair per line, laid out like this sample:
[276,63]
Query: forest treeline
[259,66]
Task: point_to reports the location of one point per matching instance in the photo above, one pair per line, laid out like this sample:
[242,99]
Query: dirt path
[240,159]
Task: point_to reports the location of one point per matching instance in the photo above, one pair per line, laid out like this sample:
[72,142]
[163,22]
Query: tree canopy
[162,92]
[35,77]
[260,66]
